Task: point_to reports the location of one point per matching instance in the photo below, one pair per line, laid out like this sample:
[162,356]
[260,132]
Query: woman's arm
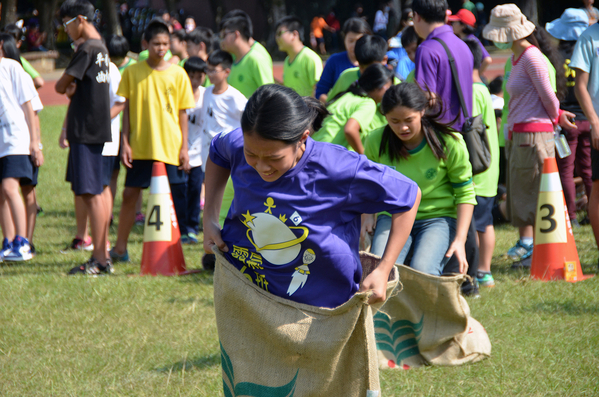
[401,226]
[216,181]
[457,247]
[352,134]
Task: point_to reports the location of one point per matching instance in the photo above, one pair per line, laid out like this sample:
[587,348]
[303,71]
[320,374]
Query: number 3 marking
[548,218]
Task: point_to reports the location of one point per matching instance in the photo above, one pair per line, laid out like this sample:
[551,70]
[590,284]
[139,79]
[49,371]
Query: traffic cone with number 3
[162,253]
[554,256]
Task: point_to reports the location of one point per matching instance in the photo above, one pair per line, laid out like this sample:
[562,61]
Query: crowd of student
[214,113]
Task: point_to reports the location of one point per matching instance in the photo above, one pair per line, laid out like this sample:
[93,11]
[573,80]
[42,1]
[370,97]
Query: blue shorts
[140,174]
[17,166]
[84,169]
[483,213]
[108,167]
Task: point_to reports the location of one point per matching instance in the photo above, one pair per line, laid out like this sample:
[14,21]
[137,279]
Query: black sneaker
[522,264]
[89,268]
[32,247]
[108,268]
[208,261]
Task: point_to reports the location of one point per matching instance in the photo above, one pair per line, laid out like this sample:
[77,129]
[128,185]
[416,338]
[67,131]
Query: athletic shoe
[523,264]
[6,247]
[140,219]
[32,249]
[115,257]
[184,239]
[575,224]
[89,268]
[108,268]
[40,211]
[520,251]
[485,279]
[202,205]
[193,238]
[20,251]
[79,245]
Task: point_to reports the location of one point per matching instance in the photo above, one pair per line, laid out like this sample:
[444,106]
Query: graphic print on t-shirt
[275,241]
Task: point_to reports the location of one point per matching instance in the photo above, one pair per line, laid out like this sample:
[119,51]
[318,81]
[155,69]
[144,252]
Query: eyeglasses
[222,35]
[65,24]
[213,71]
[280,33]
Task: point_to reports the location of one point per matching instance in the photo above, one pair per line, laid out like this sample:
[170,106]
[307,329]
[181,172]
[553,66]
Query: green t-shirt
[485,183]
[346,78]
[207,82]
[506,96]
[29,69]
[144,55]
[378,121]
[444,183]
[252,71]
[411,77]
[182,62]
[303,73]
[131,62]
[349,106]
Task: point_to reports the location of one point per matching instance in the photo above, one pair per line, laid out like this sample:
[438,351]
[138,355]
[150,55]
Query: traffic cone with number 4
[162,253]
[554,256]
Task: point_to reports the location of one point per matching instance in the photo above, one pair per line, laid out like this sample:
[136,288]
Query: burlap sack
[275,347]
[428,323]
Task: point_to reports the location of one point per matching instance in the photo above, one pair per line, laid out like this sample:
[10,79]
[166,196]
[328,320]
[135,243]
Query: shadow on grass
[192,363]
[569,306]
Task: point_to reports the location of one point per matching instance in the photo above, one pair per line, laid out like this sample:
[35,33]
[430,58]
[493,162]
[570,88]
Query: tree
[9,12]
[47,9]
[112,19]
[530,8]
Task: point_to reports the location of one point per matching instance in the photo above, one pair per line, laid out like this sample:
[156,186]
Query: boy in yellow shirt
[154,129]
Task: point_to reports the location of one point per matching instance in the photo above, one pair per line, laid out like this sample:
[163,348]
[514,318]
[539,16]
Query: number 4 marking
[157,223]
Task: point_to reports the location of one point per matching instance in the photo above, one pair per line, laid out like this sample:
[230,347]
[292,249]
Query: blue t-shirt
[298,237]
[334,66]
[586,58]
[404,64]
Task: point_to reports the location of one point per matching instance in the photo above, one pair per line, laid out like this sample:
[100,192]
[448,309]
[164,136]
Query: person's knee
[130,195]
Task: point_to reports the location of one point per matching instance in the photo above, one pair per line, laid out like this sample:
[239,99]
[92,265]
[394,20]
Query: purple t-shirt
[298,237]
[333,68]
[433,71]
[482,47]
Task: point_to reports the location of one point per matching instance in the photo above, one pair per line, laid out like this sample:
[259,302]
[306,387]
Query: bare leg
[486,247]
[10,189]
[526,231]
[81,218]
[96,209]
[126,218]
[8,227]
[31,209]
[139,203]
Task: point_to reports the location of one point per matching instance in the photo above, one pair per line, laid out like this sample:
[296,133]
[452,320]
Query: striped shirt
[532,99]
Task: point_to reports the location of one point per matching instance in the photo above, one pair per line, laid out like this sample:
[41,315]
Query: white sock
[527,240]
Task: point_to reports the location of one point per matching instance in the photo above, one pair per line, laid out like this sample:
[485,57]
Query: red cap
[464,16]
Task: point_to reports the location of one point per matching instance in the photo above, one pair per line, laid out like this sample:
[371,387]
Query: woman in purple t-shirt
[294,225]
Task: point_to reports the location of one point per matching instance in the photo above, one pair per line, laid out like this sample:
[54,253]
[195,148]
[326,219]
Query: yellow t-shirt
[155,99]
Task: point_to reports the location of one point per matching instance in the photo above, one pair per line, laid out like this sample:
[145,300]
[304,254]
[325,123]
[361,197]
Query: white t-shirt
[112,148]
[16,88]
[221,112]
[194,131]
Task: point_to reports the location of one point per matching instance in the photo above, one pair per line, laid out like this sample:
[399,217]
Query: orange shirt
[317,25]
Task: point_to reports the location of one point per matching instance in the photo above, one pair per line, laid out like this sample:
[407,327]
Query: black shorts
[17,166]
[140,174]
[84,169]
[595,163]
[108,168]
[483,213]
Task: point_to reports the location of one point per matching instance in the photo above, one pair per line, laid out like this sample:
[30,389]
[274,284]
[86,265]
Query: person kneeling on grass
[298,202]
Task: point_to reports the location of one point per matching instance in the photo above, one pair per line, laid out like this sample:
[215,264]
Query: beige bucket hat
[507,24]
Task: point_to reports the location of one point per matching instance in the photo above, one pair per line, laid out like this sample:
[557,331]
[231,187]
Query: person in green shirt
[370,49]
[118,48]
[252,69]
[200,43]
[302,67]
[352,111]
[179,46]
[417,145]
[485,183]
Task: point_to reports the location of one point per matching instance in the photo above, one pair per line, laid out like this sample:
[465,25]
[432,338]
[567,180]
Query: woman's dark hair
[15,31]
[9,47]
[542,40]
[431,10]
[566,48]
[278,113]
[374,77]
[203,35]
[467,29]
[411,96]
[476,51]
[195,64]
[117,46]
[356,25]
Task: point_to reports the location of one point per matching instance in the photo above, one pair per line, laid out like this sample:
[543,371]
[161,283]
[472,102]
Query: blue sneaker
[485,279]
[119,258]
[184,239]
[193,238]
[6,248]
[20,251]
[520,251]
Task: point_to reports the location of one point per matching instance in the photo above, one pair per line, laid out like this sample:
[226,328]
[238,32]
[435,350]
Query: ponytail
[374,77]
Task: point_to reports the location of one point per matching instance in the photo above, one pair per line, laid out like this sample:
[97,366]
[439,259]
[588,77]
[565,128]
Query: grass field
[156,336]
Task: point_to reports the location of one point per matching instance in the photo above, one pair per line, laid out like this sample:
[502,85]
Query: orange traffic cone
[162,253]
[554,256]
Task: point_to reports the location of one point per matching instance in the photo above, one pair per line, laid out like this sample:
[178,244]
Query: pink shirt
[532,99]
